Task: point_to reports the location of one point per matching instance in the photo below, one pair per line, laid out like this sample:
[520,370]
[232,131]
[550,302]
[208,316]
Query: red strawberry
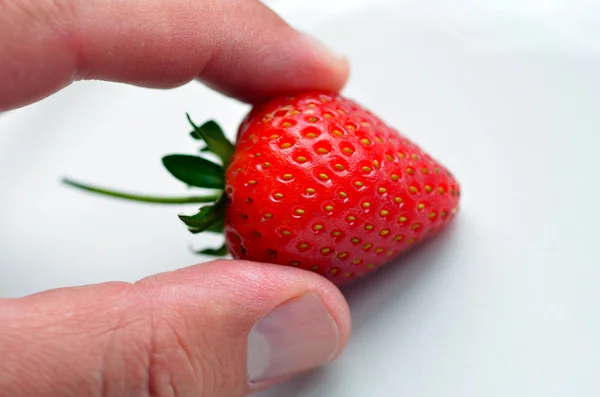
[317,182]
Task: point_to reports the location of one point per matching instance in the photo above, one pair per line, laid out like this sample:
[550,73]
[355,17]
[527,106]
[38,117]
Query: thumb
[225,328]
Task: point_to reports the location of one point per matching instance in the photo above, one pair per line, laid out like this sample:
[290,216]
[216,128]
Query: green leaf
[219,252]
[195,171]
[217,227]
[215,139]
[209,218]
[201,221]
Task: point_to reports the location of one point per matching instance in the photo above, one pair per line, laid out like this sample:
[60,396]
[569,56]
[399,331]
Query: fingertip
[254,284]
[273,59]
[291,320]
[337,64]
[293,62]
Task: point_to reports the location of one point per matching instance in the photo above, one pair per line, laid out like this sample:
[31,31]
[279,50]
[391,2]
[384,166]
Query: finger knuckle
[176,363]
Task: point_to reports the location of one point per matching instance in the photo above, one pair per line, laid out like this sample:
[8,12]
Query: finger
[225,328]
[240,48]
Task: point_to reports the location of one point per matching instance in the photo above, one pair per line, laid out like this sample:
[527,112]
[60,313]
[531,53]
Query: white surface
[505,93]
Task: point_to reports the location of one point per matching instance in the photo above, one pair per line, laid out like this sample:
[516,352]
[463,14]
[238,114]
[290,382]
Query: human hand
[224,328]
[239,47]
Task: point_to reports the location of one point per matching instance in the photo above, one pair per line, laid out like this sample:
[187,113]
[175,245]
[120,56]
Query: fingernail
[298,335]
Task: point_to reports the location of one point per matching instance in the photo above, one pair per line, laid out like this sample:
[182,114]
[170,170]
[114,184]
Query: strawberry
[315,181]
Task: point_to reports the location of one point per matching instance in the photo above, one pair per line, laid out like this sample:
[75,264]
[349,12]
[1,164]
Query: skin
[181,333]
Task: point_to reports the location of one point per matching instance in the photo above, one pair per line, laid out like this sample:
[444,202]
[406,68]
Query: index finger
[238,47]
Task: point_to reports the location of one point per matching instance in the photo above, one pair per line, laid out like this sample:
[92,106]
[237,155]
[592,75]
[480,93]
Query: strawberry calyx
[194,171]
[216,141]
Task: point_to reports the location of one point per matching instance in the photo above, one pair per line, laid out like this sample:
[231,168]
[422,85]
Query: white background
[505,93]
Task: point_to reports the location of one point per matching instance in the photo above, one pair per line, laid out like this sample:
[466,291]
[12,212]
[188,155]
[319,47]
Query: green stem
[145,199]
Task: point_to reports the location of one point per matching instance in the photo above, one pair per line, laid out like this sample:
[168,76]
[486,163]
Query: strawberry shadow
[372,296]
[371,299]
